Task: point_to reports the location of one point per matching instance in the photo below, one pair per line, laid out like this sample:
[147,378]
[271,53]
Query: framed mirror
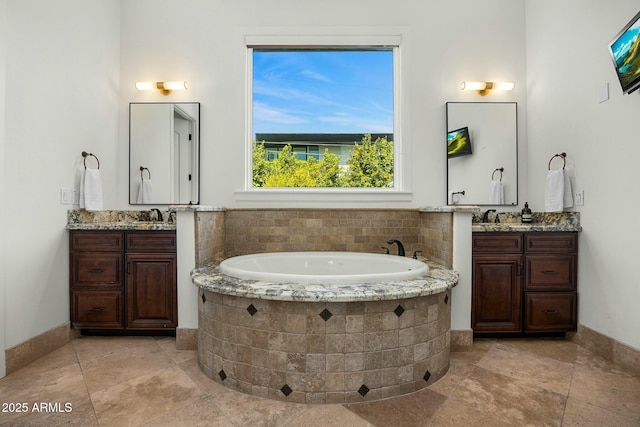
[482,153]
[164,153]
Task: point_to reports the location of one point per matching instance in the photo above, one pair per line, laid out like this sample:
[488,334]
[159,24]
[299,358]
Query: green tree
[370,165]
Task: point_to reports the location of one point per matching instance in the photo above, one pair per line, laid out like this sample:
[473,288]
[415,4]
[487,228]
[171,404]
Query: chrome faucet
[485,216]
[400,246]
[158,215]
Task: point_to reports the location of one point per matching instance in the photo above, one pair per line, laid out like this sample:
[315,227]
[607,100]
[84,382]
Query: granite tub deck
[324,343]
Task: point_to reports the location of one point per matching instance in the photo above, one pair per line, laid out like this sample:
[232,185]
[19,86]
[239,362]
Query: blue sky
[323,92]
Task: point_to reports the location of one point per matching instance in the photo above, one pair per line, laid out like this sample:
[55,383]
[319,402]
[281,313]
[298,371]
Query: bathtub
[323,267]
[324,327]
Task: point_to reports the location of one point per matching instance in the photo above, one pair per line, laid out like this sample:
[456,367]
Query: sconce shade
[164,88]
[484,88]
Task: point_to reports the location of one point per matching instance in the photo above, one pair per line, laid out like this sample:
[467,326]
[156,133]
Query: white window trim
[399,193]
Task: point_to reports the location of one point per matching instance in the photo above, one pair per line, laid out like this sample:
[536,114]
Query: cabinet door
[151,291]
[497,293]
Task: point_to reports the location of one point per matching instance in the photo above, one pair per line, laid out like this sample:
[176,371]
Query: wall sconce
[484,88]
[164,88]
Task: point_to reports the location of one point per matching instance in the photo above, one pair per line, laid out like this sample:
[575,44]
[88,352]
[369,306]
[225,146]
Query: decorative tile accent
[286,390]
[427,375]
[204,299]
[326,314]
[399,310]
[252,310]
[446,299]
[363,390]
[222,374]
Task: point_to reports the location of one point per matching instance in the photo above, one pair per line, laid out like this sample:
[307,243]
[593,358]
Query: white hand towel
[91,190]
[554,191]
[496,193]
[568,192]
[145,191]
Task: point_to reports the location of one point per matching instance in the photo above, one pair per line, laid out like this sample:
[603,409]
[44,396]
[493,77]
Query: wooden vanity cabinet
[123,280]
[524,282]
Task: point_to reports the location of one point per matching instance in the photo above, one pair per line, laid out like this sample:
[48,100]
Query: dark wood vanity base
[524,284]
[123,282]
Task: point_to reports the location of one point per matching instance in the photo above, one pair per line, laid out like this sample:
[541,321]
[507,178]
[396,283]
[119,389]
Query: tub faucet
[400,246]
[159,214]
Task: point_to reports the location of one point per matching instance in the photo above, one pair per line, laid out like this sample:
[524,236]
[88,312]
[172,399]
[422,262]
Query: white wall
[61,61]
[3,46]
[201,41]
[567,62]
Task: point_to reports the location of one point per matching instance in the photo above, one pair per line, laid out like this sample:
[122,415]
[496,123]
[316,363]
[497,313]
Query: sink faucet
[158,215]
[485,216]
[400,246]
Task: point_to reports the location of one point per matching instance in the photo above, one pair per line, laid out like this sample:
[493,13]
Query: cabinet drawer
[97,241]
[497,243]
[550,311]
[151,241]
[97,309]
[550,242]
[551,273]
[96,269]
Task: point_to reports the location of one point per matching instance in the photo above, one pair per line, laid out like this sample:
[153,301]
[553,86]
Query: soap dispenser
[526,213]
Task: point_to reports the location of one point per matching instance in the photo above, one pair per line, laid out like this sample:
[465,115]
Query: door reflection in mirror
[164,143]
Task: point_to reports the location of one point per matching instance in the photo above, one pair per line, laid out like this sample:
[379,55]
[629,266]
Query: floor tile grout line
[84,380]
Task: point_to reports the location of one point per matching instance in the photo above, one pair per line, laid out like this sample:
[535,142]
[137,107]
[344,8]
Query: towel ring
[564,158]
[497,170]
[85,155]
[142,169]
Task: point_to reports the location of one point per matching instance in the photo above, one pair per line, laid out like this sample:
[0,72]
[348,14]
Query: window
[323,117]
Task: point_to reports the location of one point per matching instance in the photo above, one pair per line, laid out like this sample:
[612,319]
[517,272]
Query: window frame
[396,193]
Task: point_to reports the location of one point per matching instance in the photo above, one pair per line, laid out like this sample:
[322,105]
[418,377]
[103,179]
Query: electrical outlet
[579,198]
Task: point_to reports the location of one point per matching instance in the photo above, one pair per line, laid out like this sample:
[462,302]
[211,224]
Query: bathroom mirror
[482,146]
[164,150]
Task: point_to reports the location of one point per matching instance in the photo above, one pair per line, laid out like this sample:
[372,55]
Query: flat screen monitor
[458,143]
[625,52]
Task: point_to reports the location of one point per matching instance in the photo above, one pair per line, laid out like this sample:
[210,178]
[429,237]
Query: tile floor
[145,381]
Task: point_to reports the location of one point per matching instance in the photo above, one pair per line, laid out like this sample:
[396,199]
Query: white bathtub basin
[323,267]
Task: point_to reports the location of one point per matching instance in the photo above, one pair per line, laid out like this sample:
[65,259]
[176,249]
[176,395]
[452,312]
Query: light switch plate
[579,198]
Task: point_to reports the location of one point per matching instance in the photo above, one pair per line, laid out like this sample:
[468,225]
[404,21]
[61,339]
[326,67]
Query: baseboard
[186,339]
[608,348]
[462,340]
[22,354]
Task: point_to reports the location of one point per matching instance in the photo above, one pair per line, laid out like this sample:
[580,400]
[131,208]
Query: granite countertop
[541,222]
[438,280]
[123,225]
[118,220]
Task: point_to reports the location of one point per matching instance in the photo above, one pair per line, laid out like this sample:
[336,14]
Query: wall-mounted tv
[625,52]
[458,142]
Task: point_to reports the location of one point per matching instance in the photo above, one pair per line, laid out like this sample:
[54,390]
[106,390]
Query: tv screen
[625,52]
[458,142]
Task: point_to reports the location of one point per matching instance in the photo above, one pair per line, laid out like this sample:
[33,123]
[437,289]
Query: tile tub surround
[316,352]
[230,232]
